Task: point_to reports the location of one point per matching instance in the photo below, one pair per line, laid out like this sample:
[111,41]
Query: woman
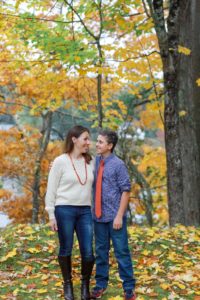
[68,203]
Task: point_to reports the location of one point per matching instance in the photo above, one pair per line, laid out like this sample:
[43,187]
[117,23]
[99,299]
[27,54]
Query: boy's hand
[53,225]
[117,223]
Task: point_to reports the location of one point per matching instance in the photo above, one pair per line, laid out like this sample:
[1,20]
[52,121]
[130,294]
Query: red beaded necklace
[82,183]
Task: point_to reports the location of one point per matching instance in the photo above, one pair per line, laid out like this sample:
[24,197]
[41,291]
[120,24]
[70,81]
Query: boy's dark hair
[111,137]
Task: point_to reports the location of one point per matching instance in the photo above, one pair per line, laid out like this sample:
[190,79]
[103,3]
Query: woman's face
[82,143]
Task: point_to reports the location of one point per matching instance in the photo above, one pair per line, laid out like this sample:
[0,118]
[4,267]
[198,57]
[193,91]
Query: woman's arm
[52,185]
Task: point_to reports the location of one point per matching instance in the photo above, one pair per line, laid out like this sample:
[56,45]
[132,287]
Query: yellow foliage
[59,284]
[116,298]
[165,286]
[9,255]
[15,292]
[198,82]
[153,167]
[151,116]
[182,113]
[77,58]
[184,50]
[49,86]
[147,26]
[154,157]
[42,291]
[33,250]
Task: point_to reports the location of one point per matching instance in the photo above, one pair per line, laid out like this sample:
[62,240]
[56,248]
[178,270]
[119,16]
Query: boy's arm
[124,184]
[118,220]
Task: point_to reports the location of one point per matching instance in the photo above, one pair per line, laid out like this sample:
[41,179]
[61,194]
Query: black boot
[86,271]
[66,269]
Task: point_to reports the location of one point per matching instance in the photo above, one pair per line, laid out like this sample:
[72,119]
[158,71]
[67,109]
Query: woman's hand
[53,225]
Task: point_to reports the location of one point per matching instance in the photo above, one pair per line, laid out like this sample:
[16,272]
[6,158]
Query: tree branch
[154,84]
[15,103]
[135,57]
[31,61]
[81,21]
[101,20]
[145,9]
[36,19]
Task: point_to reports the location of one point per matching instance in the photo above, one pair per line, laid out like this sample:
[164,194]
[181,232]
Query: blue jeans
[70,219]
[104,232]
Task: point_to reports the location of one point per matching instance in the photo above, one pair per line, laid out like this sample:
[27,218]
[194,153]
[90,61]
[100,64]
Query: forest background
[92,64]
[129,65]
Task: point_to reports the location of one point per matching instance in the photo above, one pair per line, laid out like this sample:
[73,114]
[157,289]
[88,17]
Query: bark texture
[43,143]
[182,112]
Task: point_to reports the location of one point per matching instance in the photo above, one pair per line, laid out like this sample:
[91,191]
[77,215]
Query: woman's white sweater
[63,186]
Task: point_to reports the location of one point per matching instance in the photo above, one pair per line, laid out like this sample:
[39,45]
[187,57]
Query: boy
[112,187]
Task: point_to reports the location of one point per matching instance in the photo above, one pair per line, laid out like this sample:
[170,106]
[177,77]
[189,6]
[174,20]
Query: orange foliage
[129,63]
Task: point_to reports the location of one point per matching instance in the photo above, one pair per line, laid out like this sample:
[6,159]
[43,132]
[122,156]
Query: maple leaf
[116,298]
[33,250]
[184,50]
[198,82]
[9,255]
[182,113]
[41,291]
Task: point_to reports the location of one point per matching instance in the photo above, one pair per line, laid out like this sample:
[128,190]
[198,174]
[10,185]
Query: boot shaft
[66,267]
[86,271]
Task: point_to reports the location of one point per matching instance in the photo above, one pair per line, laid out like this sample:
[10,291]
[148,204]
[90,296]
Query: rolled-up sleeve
[123,178]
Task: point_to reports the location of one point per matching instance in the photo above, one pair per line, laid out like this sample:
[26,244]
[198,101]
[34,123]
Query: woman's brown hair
[75,131]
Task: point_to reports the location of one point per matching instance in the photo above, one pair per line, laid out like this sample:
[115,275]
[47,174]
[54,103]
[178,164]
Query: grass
[166,264]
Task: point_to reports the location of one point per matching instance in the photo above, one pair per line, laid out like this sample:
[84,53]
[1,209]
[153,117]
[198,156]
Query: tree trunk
[182,124]
[99,99]
[43,143]
[171,113]
[188,99]
[99,86]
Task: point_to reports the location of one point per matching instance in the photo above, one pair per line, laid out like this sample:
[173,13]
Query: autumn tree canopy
[93,61]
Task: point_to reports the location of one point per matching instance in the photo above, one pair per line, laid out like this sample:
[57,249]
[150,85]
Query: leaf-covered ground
[166,262]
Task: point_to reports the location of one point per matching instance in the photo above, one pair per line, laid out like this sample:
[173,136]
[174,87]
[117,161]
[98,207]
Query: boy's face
[102,146]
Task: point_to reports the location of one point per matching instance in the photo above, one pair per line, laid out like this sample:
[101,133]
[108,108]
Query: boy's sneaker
[97,294]
[128,297]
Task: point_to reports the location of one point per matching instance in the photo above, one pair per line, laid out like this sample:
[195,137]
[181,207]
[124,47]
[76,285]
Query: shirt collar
[108,158]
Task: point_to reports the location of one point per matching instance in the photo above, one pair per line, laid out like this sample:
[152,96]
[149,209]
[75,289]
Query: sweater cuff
[50,212]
